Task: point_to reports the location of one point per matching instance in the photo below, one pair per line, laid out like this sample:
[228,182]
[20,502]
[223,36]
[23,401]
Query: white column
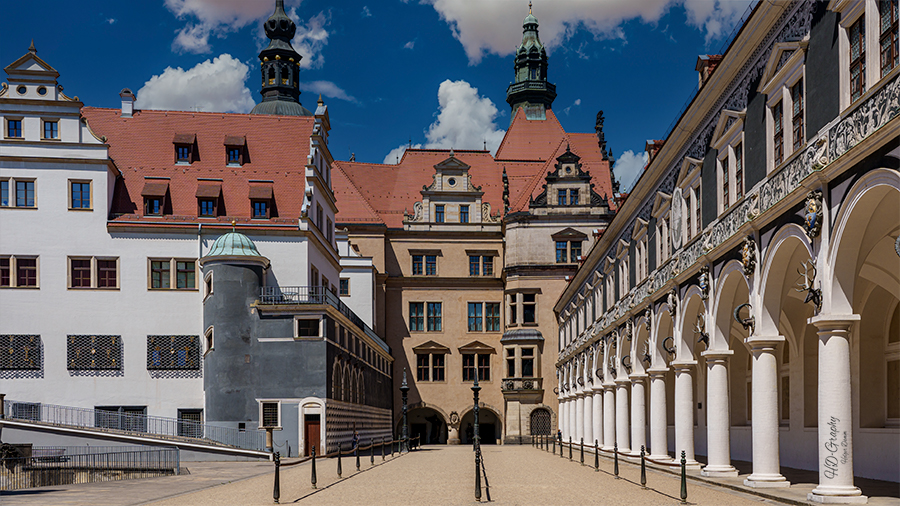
[659,430]
[622,436]
[597,415]
[588,433]
[572,423]
[609,416]
[561,419]
[684,412]
[638,414]
[835,412]
[718,415]
[579,416]
[766,460]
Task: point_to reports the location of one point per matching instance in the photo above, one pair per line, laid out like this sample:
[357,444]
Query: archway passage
[428,424]
[489,427]
[540,422]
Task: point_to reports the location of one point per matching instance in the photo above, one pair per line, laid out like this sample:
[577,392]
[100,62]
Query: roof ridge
[211,113]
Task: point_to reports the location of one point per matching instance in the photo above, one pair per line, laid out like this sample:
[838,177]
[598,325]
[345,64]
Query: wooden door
[311,431]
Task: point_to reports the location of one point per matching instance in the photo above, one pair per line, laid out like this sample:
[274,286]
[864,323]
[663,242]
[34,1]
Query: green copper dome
[233,244]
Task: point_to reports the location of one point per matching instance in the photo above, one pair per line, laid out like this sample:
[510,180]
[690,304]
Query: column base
[453,441]
[767,481]
[719,472]
[690,464]
[837,495]
[661,459]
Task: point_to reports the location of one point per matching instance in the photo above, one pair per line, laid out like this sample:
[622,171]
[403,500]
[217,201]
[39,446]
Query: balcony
[522,385]
[531,85]
[299,295]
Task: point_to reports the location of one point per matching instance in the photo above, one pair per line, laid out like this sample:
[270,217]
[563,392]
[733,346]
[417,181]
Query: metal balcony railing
[273,295]
[135,424]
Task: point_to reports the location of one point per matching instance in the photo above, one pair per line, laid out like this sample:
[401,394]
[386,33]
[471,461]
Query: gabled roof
[30,64]
[476,347]
[431,347]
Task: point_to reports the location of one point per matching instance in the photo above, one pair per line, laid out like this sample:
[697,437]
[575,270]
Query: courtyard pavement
[439,475]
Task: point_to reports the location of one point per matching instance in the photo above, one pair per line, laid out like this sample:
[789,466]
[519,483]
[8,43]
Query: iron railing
[269,295]
[58,466]
[136,424]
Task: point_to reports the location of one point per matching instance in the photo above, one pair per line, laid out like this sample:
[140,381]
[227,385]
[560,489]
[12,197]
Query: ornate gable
[450,200]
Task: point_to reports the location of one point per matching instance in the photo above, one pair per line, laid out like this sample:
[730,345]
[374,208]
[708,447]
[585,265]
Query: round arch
[784,256]
[490,425]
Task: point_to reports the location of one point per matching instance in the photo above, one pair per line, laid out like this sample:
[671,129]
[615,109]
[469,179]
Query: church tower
[531,90]
[280,66]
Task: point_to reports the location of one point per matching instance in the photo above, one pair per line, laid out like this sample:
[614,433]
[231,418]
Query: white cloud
[327,88]
[311,38]
[576,103]
[464,121]
[409,45]
[216,17]
[366,13]
[215,86]
[111,21]
[628,167]
[492,27]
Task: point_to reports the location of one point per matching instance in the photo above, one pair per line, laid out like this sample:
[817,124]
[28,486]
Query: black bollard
[560,448]
[683,479]
[581,450]
[356,453]
[477,472]
[276,493]
[570,448]
[643,469]
[382,448]
[312,478]
[596,455]
[372,451]
[340,470]
[616,459]
[554,446]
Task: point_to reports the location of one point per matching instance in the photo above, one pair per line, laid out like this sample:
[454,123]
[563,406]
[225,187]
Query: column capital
[833,321]
[637,377]
[683,365]
[716,355]
[620,382]
[609,385]
[657,372]
[763,343]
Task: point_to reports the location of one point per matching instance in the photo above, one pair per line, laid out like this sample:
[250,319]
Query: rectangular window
[5,271]
[561,197]
[561,252]
[573,197]
[439,213]
[127,418]
[81,273]
[173,353]
[86,352]
[527,362]
[475,317]
[190,422]
[207,207]
[93,272]
[308,327]
[512,309]
[778,133]
[183,153]
[574,251]
[434,316]
[437,367]
[269,416]
[422,367]
[14,128]
[888,30]
[4,193]
[24,193]
[80,195]
[474,265]
[725,177]
[51,129]
[858,58]
[510,362]
[893,389]
[153,206]
[484,367]
[529,304]
[159,274]
[107,273]
[487,265]
[463,214]
[468,367]
[261,209]
[739,171]
[234,156]
[26,272]
[785,398]
[345,287]
[430,265]
[416,316]
[797,113]
[184,274]
[417,264]
[492,316]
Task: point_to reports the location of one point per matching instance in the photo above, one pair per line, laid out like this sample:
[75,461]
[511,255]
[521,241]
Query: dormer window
[261,209]
[154,193]
[234,156]
[235,146]
[261,201]
[185,147]
[208,195]
[183,154]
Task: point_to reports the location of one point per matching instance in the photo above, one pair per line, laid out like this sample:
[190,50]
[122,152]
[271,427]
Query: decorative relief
[703,282]
[748,255]
[868,117]
[648,319]
[486,214]
[675,229]
[672,301]
[812,218]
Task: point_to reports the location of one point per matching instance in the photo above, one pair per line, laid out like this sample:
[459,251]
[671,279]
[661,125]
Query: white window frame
[260,403]
[850,11]
[208,286]
[209,336]
[297,319]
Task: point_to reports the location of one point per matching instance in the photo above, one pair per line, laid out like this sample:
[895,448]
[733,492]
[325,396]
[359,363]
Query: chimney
[127,102]
[706,64]
[652,147]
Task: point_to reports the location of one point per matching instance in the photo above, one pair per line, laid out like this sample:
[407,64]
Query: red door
[311,427]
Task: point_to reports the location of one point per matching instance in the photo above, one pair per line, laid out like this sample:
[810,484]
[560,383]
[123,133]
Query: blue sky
[391,71]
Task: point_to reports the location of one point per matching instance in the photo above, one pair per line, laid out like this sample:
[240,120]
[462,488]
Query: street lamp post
[475,390]
[404,435]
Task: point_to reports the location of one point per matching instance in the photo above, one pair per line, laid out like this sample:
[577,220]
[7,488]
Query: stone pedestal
[835,413]
[766,458]
[638,414]
[659,431]
[718,415]
[609,416]
[622,436]
[453,435]
[684,412]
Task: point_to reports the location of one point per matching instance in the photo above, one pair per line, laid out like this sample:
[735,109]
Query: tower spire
[530,90]
[280,67]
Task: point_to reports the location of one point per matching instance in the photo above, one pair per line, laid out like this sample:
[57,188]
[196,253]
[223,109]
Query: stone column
[597,412]
[638,413]
[766,459]
[572,417]
[588,416]
[579,415]
[835,412]
[561,421]
[609,416]
[718,415]
[684,411]
[659,430]
[622,436]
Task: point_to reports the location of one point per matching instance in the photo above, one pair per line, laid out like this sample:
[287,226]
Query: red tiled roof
[141,146]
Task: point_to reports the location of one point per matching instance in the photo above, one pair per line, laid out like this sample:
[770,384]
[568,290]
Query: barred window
[797,113]
[85,352]
[26,411]
[190,422]
[858,58]
[778,136]
[889,29]
[20,352]
[269,414]
[127,418]
[173,353]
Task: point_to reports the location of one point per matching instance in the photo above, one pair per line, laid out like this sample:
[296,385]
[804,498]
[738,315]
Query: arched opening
[665,331]
[489,427]
[426,423]
[690,350]
[540,422]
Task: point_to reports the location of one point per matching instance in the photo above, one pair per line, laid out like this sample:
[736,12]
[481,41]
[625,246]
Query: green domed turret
[531,90]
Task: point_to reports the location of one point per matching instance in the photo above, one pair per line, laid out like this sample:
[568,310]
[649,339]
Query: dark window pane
[422,367]
[468,370]
[81,195]
[106,273]
[434,316]
[234,155]
[561,252]
[417,265]
[5,272]
[207,207]
[561,197]
[81,273]
[416,316]
[475,317]
[260,208]
[184,275]
[14,128]
[575,250]
[430,265]
[484,367]
[437,367]
[51,129]
[159,274]
[487,266]
[26,271]
[492,316]
[573,197]
[463,214]
[439,213]
[24,193]
[527,367]
[4,193]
